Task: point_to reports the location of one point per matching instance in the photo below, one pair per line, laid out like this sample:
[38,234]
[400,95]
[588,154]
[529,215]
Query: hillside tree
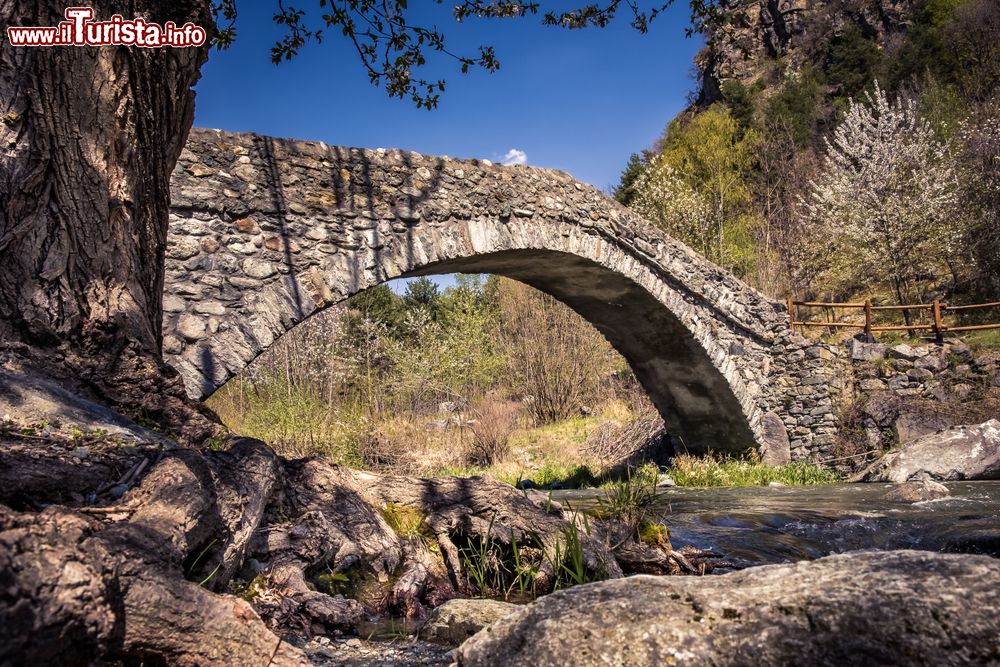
[887,195]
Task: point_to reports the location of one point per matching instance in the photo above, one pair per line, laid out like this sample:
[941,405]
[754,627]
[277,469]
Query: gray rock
[182,248]
[34,398]
[916,491]
[960,350]
[963,452]
[919,374]
[874,608]
[776,449]
[897,382]
[872,385]
[457,620]
[932,362]
[861,351]
[172,345]
[257,268]
[665,481]
[173,304]
[907,352]
[910,425]
[191,327]
[210,308]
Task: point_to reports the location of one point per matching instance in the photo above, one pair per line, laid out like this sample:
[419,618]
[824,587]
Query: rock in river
[457,620]
[916,491]
[963,452]
[863,608]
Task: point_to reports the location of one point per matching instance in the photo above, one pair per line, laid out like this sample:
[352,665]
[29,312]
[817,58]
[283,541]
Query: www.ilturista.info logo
[79,30]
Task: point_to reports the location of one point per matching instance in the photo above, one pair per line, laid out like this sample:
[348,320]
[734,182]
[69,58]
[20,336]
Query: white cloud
[514,156]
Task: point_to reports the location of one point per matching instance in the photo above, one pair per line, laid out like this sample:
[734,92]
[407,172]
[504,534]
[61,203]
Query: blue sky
[580,101]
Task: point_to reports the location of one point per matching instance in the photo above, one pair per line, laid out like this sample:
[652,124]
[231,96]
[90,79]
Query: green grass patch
[568,476]
[688,470]
[988,339]
[405,521]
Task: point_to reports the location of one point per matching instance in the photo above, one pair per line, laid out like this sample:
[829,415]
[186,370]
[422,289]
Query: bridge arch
[266,232]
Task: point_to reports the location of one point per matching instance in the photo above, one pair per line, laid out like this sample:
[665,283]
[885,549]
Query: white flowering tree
[887,196]
[664,198]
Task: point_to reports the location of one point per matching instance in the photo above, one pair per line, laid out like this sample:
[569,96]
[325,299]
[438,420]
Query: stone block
[861,351]
[776,447]
[907,352]
[919,374]
[872,385]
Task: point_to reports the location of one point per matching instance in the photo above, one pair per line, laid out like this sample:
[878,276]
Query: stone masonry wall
[264,232]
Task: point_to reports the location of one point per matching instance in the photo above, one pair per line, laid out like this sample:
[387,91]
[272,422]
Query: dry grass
[495,420]
[629,442]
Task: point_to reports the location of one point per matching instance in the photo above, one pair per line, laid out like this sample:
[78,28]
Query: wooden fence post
[868,321]
[938,326]
[791,314]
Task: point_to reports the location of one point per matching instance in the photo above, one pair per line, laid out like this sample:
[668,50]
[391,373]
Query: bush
[495,420]
[793,110]
[554,356]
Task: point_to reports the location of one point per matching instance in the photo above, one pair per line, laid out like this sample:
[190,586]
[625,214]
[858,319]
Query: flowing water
[759,525]
[763,525]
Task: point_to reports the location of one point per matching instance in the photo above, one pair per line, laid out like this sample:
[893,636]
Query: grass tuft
[714,470]
[407,522]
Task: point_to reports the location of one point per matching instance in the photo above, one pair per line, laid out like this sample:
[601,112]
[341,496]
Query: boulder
[865,608]
[910,425]
[862,351]
[963,452]
[916,491]
[457,620]
[776,449]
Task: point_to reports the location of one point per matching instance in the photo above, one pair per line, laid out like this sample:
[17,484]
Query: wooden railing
[935,323]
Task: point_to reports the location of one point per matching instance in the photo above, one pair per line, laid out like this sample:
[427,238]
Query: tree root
[149,575]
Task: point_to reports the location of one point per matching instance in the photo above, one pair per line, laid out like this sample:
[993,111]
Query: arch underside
[697,403]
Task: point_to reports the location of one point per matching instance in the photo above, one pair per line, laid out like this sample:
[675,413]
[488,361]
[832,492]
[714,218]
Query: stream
[762,525]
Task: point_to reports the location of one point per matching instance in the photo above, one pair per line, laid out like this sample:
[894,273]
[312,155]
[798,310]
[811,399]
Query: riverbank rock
[963,452]
[916,491]
[878,608]
[457,620]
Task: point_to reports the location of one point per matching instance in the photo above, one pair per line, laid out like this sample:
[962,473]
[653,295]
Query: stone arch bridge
[266,232]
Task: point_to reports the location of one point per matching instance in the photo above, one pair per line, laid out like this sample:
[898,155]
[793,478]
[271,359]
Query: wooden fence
[935,323]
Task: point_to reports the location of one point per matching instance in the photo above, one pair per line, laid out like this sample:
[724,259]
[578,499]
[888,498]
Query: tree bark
[90,136]
[146,576]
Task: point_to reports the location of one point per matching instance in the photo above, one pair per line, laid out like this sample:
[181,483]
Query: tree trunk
[90,136]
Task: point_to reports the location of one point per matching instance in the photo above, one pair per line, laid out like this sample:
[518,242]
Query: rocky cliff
[761,38]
